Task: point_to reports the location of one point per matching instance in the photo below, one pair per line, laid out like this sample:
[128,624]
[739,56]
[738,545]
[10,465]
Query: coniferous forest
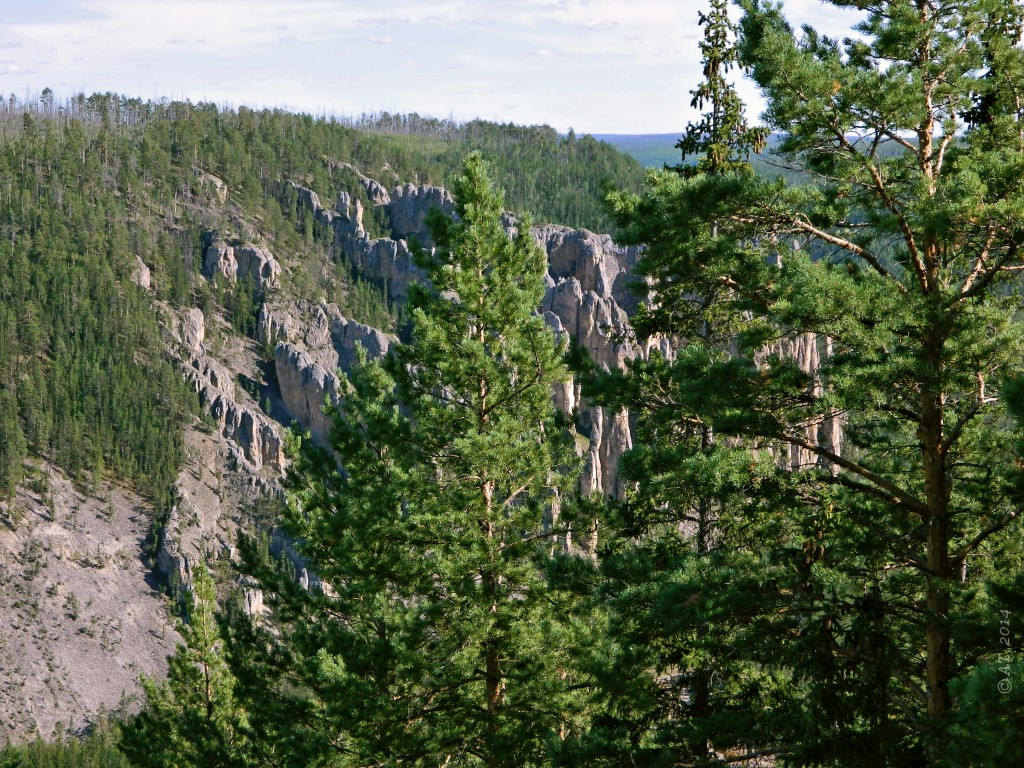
[816,556]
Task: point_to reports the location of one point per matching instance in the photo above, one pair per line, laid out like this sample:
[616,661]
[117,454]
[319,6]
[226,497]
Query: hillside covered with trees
[98,184]
[813,554]
[109,207]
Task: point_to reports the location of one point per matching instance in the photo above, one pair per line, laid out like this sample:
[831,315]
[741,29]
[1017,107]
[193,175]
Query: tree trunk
[493,682]
[701,707]
[938,660]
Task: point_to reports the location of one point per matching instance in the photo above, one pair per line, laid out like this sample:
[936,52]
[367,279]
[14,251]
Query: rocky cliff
[314,341]
[588,300]
[240,261]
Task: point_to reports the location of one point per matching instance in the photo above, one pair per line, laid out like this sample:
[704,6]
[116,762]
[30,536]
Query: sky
[596,66]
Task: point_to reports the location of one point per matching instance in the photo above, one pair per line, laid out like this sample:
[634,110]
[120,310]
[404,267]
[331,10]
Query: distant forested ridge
[556,178]
[651,150]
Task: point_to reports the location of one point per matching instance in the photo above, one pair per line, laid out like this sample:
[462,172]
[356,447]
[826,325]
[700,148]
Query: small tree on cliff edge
[884,570]
[192,718]
[439,641]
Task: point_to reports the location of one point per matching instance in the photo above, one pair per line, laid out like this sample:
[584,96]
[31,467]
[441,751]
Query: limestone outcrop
[591,293]
[807,351]
[312,342]
[214,496]
[596,261]
[388,261]
[193,329]
[408,208]
[212,185]
[588,300]
[254,436]
[141,275]
[305,387]
[184,524]
[375,191]
[241,261]
[588,294]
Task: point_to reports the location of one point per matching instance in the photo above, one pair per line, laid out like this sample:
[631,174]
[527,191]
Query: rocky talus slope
[81,614]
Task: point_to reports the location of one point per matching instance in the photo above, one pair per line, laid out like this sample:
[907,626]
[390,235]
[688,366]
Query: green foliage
[83,378]
[436,638]
[242,303]
[845,605]
[559,179]
[191,718]
[96,750]
[722,135]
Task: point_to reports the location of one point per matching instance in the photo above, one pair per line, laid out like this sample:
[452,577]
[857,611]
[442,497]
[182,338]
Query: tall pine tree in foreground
[860,604]
[680,685]
[435,639]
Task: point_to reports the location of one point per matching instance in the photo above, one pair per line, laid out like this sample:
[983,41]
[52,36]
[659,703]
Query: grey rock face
[409,207]
[596,261]
[251,432]
[588,300]
[237,263]
[273,327]
[348,335]
[307,197]
[212,185]
[141,275]
[305,387]
[253,601]
[193,329]
[807,351]
[590,296]
[376,192]
[588,293]
[386,260]
[172,561]
[306,363]
[219,257]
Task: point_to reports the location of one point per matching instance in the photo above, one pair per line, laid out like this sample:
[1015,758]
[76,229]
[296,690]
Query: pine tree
[14,448]
[192,718]
[721,138]
[679,686]
[880,570]
[436,638]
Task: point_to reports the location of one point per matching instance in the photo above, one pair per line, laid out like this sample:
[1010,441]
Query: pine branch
[890,203]
[897,493]
[956,560]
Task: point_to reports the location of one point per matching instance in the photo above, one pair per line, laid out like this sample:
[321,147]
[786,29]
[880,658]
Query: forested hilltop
[739,487]
[95,184]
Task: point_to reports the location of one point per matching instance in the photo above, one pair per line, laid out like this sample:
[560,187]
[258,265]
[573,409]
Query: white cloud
[833,21]
[126,26]
[598,65]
